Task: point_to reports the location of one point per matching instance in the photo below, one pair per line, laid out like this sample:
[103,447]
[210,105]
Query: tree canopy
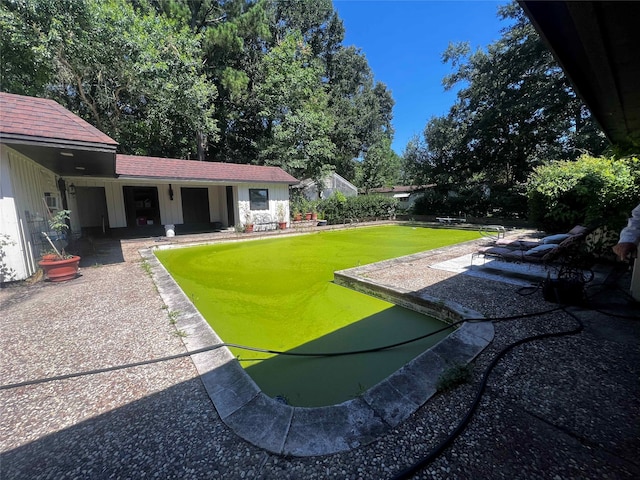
[133,74]
[589,191]
[515,109]
[270,82]
[245,81]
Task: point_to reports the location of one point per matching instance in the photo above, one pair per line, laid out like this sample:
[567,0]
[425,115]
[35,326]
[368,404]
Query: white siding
[278,195]
[24,183]
[23,215]
[171,210]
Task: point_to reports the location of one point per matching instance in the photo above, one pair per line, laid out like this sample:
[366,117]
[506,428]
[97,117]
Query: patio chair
[567,254]
[556,239]
[566,265]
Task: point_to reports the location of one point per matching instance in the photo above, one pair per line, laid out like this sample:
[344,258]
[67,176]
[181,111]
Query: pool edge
[310,431]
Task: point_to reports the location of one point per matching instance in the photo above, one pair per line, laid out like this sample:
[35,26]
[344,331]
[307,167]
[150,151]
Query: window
[258,199]
[51,201]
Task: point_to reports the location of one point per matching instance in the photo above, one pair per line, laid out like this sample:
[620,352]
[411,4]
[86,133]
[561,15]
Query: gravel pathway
[566,407]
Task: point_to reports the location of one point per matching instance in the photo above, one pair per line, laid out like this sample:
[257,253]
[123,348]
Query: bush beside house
[588,191]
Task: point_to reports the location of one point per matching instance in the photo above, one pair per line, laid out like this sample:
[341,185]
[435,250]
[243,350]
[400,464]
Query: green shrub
[470,199]
[338,208]
[588,191]
[297,202]
[509,201]
[433,202]
[6,272]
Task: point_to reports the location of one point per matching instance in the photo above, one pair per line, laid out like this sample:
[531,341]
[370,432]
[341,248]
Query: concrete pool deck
[567,407]
[304,431]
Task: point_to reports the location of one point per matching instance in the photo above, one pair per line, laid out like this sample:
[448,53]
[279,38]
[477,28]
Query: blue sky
[404,41]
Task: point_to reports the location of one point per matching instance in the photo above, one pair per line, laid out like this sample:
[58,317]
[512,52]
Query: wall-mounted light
[66,154]
[170,192]
[72,189]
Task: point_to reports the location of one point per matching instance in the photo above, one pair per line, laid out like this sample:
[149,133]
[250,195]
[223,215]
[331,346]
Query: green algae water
[278,294]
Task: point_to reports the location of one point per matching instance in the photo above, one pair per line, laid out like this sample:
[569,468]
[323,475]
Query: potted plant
[49,255]
[282,220]
[314,211]
[59,266]
[321,220]
[248,221]
[303,207]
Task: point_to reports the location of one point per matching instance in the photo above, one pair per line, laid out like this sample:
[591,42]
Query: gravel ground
[563,407]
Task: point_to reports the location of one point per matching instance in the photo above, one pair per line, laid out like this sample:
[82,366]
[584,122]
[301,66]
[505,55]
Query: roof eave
[18,139]
[596,45]
[225,181]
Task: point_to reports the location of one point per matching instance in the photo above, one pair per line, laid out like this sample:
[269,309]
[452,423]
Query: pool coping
[308,431]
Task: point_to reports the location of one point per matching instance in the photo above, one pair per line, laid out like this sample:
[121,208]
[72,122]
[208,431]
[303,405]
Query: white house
[50,159]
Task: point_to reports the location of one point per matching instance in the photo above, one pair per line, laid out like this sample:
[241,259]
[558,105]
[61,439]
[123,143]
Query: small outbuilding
[331,184]
[50,159]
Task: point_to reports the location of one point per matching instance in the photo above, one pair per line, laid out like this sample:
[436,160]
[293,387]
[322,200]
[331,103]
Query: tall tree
[233,51]
[197,14]
[195,78]
[362,108]
[515,109]
[133,74]
[295,111]
[25,62]
[380,166]
[309,17]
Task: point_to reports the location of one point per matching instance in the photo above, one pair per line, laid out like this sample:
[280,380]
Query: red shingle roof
[41,118]
[170,168]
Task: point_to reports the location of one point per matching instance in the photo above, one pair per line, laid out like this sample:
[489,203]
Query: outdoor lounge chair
[567,252]
[563,269]
[556,239]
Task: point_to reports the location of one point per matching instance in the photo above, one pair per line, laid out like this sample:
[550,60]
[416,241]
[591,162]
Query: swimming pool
[279,294]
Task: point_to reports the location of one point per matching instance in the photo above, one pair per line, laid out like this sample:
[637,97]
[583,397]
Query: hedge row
[341,209]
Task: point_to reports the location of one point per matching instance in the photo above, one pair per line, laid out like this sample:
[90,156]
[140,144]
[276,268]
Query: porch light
[66,154]
[170,192]
[72,189]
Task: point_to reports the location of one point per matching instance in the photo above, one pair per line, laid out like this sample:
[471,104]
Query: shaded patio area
[564,407]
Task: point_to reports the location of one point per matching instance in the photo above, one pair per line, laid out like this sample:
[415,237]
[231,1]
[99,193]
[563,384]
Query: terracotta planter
[314,216]
[282,225]
[297,217]
[60,270]
[307,216]
[248,228]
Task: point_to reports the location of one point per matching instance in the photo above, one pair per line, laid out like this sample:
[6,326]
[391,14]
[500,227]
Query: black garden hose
[435,452]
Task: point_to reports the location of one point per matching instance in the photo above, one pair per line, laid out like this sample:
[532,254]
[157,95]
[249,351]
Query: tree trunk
[201,139]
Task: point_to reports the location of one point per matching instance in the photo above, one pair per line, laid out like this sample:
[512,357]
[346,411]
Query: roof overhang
[598,47]
[66,158]
[230,181]
[134,167]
